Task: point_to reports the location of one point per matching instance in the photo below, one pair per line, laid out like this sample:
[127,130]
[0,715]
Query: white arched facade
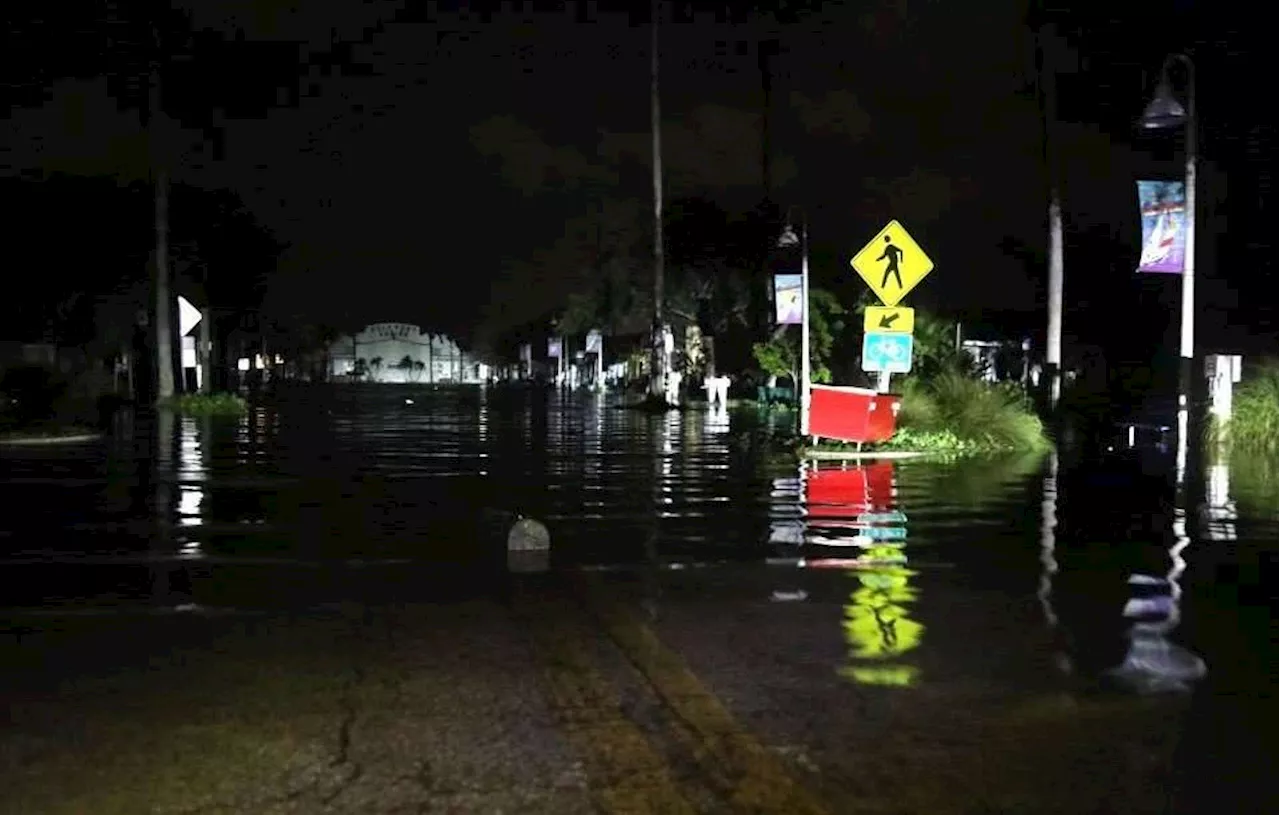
[384,347]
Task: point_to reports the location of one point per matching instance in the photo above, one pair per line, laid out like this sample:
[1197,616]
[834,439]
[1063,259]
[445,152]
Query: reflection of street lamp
[789,239]
[1163,112]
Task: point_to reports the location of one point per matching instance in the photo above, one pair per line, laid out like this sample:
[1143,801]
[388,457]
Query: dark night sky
[443,150]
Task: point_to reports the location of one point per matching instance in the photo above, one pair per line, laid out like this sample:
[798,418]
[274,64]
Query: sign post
[891,264]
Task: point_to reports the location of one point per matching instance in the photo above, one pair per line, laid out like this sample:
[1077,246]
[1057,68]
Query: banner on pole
[553,348]
[593,342]
[786,298]
[1163,205]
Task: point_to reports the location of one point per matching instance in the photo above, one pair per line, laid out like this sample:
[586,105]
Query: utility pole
[163,306]
[661,359]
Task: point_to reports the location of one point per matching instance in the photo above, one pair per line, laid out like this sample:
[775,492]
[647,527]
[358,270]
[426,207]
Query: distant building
[400,352]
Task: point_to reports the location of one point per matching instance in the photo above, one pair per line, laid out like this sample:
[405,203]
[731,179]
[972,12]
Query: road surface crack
[351,770]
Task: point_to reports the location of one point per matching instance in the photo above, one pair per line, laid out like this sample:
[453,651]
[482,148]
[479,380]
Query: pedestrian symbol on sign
[893,254]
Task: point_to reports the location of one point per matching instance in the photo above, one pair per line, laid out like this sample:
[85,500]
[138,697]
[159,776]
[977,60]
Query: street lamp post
[1164,112]
[789,239]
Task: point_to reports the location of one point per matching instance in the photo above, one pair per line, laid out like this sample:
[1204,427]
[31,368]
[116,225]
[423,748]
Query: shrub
[961,413]
[207,404]
[1255,413]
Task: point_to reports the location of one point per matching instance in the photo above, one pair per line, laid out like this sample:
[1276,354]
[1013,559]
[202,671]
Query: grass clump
[1254,427]
[207,404]
[957,414]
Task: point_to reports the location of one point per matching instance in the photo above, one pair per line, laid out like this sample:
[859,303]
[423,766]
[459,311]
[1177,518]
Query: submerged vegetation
[961,415]
[207,404]
[1254,427]
[1249,442]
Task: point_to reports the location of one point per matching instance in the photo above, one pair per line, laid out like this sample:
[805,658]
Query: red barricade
[852,414]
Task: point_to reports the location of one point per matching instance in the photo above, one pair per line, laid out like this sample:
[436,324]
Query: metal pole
[1053,344]
[1186,344]
[805,376]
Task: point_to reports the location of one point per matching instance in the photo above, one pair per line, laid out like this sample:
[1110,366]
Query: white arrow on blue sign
[887,352]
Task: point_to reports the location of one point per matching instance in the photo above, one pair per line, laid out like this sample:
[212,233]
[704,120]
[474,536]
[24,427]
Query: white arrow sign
[188,316]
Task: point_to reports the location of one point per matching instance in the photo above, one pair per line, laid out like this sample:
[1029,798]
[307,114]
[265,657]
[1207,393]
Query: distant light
[259,362]
[408,401]
[242,364]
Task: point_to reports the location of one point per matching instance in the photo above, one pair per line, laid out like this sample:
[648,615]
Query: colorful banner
[1163,205]
[786,288]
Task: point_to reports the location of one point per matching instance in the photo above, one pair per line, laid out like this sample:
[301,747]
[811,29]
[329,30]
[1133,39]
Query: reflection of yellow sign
[878,628]
[892,264]
[901,676]
[899,320]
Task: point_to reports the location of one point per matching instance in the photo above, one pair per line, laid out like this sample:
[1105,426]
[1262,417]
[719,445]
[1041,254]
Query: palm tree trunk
[1048,111]
[661,360]
[206,350]
[160,287]
[164,322]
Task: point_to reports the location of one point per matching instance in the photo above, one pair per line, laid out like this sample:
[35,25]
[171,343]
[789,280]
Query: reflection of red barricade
[852,414]
[847,493]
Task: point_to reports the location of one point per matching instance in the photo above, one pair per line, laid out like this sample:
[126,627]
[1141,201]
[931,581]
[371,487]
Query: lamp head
[1163,111]
[788,237]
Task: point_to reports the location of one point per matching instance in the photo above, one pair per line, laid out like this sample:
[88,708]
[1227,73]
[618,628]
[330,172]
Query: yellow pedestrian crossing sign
[892,264]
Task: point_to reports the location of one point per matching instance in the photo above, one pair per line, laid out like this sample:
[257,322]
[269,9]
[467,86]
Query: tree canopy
[81,247]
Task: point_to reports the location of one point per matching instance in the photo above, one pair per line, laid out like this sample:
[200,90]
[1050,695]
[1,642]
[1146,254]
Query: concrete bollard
[717,388]
[528,547]
[673,387]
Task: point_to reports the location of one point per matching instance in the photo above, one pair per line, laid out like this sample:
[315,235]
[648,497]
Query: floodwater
[1030,573]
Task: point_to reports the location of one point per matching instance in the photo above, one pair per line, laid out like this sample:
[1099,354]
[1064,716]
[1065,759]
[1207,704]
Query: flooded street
[300,611]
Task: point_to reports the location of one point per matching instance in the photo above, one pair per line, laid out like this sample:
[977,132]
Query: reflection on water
[193,469]
[716,418]
[1148,607]
[1154,663]
[877,624]
[1220,514]
[787,508]
[357,478]
[1048,562]
[854,510]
